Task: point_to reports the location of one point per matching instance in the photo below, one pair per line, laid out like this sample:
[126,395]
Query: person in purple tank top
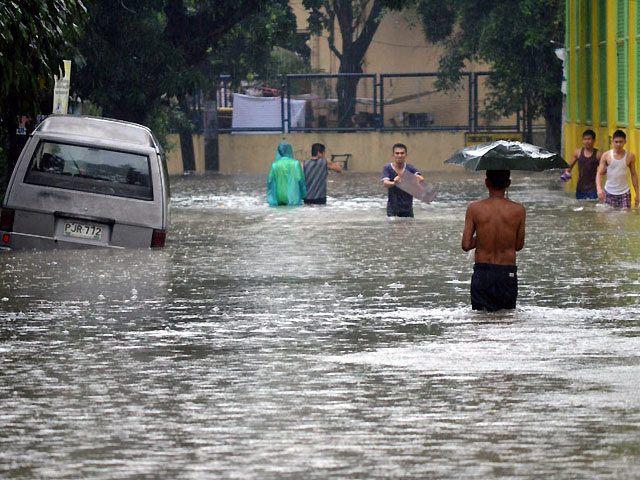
[616,164]
[588,159]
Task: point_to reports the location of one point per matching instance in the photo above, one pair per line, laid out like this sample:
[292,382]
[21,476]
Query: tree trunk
[186,142]
[354,48]
[528,120]
[553,122]
[210,124]
[347,88]
[16,143]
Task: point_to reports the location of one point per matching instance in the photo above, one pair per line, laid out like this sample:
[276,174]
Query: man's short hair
[499,179]
[400,145]
[619,133]
[589,133]
[316,148]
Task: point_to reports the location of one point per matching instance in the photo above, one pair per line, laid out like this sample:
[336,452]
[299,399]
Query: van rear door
[94,193]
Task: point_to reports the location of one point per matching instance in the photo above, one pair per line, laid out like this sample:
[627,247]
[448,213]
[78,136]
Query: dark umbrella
[505,155]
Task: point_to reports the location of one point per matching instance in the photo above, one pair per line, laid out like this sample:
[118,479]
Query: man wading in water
[495,228]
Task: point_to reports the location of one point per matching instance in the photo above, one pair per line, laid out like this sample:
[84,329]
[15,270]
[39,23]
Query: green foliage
[247,51]
[33,35]
[284,62]
[514,38]
[437,19]
[164,120]
[136,52]
[123,65]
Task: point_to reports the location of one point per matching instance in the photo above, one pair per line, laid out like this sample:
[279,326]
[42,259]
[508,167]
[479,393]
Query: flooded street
[326,342]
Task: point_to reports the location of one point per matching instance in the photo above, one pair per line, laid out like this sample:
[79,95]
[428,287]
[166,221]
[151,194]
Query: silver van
[84,182]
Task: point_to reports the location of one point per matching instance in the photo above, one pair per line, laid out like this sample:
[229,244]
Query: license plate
[81,230]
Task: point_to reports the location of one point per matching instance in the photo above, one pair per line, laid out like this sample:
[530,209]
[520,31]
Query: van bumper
[25,241]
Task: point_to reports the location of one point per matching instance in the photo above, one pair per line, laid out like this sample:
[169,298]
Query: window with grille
[622,42]
[602,60]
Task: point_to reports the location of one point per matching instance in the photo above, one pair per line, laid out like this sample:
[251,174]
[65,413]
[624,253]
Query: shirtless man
[495,228]
[614,164]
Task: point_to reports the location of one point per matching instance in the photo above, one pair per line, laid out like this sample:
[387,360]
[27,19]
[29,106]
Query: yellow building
[602,65]
[399,46]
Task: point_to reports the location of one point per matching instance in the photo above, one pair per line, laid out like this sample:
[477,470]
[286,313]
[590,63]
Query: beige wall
[369,150]
[174,155]
[398,46]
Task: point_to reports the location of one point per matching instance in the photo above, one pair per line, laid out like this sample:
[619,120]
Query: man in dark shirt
[588,159]
[315,173]
[399,203]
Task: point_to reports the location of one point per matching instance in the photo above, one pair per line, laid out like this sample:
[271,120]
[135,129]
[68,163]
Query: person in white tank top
[614,164]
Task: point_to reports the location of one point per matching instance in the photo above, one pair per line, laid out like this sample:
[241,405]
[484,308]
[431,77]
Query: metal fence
[482,119]
[332,102]
[353,102]
[411,101]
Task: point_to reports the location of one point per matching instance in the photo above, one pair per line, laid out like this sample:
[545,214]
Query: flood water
[326,342]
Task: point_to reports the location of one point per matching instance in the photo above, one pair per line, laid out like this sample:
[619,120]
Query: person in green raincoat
[285,183]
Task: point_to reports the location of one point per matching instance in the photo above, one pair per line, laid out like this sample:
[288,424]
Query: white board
[423,191]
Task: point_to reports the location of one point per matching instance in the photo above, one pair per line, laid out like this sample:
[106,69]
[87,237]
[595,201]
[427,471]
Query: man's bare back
[495,228]
[498,225]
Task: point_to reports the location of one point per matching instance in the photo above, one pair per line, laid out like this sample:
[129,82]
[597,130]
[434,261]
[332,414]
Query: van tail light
[6,219]
[158,238]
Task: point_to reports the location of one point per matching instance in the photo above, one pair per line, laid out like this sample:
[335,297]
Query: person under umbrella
[495,227]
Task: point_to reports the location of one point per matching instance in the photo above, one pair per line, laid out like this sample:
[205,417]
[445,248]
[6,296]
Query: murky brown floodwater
[326,342]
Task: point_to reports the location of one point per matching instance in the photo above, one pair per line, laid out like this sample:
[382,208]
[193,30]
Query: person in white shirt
[614,164]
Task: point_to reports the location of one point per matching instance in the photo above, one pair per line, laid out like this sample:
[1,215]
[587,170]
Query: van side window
[90,169]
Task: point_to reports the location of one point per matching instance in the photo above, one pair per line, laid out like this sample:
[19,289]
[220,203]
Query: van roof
[97,127]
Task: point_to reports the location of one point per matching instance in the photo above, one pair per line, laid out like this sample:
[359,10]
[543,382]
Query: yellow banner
[61,90]
[476,138]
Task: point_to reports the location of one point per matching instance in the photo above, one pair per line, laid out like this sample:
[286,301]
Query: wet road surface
[326,342]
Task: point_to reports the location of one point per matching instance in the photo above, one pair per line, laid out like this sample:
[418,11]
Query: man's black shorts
[494,287]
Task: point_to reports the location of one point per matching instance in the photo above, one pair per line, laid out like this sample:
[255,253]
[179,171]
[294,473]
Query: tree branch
[210,27]
[361,44]
[331,14]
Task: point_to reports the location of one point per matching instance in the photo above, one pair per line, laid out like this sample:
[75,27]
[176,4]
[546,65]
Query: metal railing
[333,102]
[361,102]
[412,101]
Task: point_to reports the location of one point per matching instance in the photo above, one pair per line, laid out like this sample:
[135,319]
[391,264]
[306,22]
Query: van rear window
[88,169]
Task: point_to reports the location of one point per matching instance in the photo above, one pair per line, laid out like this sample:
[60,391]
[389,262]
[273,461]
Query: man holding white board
[403,181]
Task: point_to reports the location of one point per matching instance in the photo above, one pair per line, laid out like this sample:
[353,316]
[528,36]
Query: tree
[33,35]
[243,53]
[137,52]
[515,38]
[136,55]
[358,21]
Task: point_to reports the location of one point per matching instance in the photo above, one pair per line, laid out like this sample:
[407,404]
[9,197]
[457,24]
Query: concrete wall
[174,154]
[369,150]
